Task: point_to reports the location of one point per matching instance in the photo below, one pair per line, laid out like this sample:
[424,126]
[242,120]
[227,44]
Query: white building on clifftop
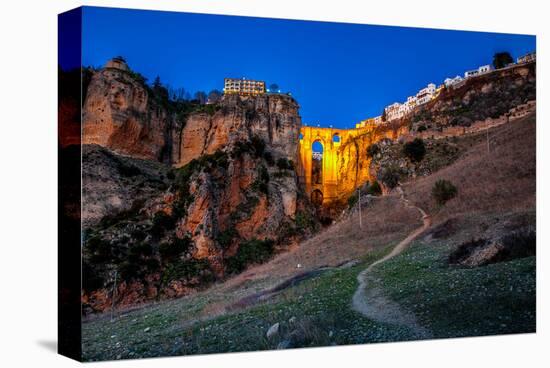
[425,94]
[243,86]
[394,111]
[449,82]
[481,70]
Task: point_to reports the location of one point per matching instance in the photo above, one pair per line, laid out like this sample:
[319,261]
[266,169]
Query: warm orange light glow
[345,165]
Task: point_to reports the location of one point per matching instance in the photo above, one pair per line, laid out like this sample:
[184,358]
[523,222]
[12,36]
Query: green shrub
[127,169]
[443,190]
[250,252]
[218,159]
[129,270]
[183,177]
[210,109]
[188,269]
[260,184]
[240,148]
[422,115]
[161,223]
[151,264]
[304,221]
[268,157]
[415,150]
[245,208]
[225,238]
[142,249]
[170,251]
[138,234]
[258,145]
[352,200]
[100,250]
[374,189]
[125,215]
[390,176]
[92,277]
[285,164]
[373,150]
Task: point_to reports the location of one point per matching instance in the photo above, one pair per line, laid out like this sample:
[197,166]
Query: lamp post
[359,201]
[113,295]
[487,130]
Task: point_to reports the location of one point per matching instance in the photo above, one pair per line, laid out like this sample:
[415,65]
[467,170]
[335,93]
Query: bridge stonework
[345,165]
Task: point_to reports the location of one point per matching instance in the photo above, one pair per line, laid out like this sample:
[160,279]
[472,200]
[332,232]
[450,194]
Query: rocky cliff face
[273,118]
[488,96]
[481,102]
[354,162]
[121,114]
[228,198]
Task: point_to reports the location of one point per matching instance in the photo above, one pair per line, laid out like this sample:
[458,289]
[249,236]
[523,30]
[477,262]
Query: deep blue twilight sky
[339,73]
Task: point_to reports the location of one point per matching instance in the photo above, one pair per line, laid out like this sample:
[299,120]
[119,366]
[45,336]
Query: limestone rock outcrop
[119,113]
[273,118]
[171,190]
[480,102]
[488,96]
[123,114]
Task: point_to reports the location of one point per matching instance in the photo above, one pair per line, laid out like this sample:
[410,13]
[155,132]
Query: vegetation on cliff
[232,199]
[487,96]
[147,245]
[472,256]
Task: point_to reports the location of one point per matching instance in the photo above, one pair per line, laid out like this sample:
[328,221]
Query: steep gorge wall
[481,102]
[123,114]
[119,113]
[354,163]
[229,180]
[489,96]
[272,118]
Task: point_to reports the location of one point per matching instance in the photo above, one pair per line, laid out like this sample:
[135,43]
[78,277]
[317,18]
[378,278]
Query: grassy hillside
[499,180]
[496,196]
[453,301]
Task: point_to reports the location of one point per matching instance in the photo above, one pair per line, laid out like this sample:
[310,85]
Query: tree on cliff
[157,83]
[383,116]
[501,59]
[159,89]
[201,97]
[214,96]
[178,94]
[273,87]
[415,150]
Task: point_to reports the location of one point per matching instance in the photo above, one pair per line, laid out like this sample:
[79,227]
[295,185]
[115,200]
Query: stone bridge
[344,164]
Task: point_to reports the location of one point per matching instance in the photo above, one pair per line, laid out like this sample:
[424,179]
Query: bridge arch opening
[336,138]
[317,162]
[317,197]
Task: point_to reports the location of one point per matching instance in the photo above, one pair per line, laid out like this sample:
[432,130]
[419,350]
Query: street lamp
[359,201]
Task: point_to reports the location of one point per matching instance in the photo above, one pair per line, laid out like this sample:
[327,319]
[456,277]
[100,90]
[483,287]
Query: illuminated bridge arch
[331,140]
[336,142]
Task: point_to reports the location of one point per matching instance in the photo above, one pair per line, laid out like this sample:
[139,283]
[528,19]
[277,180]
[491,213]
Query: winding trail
[372,303]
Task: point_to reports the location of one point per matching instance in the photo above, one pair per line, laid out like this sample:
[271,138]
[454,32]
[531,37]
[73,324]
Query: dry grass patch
[497,181]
